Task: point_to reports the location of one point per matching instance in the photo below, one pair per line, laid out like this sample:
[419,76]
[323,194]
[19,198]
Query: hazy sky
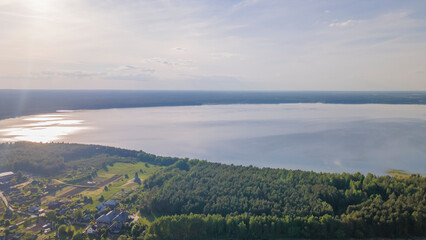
[213,45]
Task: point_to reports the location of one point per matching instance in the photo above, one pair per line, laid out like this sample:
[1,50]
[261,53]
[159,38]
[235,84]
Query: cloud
[134,69]
[268,45]
[245,3]
[125,72]
[337,163]
[126,67]
[169,61]
[12,14]
[70,74]
[179,49]
[343,24]
[131,77]
[223,54]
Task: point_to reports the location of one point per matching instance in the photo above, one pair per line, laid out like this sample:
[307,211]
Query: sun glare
[44,128]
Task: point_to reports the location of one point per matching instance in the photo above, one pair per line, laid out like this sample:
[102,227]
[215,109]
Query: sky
[213,45]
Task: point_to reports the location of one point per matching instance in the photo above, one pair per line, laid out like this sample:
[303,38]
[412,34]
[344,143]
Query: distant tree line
[57,158]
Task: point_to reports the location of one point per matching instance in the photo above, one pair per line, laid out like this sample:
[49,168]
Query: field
[398,173]
[114,179]
[117,183]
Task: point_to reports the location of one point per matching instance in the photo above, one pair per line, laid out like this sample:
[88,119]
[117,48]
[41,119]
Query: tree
[51,215]
[78,213]
[28,236]
[62,232]
[79,236]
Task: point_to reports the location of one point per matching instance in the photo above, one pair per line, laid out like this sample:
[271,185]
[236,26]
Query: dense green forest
[287,203]
[59,158]
[192,199]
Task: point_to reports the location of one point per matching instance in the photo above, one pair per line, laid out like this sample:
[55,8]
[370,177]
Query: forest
[53,159]
[48,101]
[249,202]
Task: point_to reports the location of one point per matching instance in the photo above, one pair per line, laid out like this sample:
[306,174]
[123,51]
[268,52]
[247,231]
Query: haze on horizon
[213,45]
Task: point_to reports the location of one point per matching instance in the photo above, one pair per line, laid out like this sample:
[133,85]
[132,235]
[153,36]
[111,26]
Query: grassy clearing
[2,207]
[130,169]
[51,197]
[398,173]
[122,185]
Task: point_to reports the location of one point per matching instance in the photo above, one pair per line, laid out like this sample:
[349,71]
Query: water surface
[319,137]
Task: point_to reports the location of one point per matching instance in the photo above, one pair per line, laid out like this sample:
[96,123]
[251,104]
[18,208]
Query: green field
[122,185]
[398,173]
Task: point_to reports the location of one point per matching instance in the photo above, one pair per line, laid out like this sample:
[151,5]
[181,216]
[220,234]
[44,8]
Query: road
[6,203]
[74,185]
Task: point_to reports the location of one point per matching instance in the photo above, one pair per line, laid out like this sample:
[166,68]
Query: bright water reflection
[40,128]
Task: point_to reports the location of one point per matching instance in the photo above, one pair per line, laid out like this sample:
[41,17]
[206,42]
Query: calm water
[319,137]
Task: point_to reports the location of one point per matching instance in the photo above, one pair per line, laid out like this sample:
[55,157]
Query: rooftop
[4,174]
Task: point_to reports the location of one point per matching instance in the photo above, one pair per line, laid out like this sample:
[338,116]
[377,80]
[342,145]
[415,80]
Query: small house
[91,230]
[33,209]
[54,205]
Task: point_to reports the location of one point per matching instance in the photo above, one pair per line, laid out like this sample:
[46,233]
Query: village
[37,208]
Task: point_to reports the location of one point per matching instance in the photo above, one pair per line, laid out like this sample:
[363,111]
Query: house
[47,225]
[16,236]
[63,201]
[91,231]
[33,209]
[111,204]
[63,210]
[6,176]
[100,206]
[76,206]
[116,227]
[122,217]
[41,211]
[107,219]
[54,205]
[50,186]
[86,218]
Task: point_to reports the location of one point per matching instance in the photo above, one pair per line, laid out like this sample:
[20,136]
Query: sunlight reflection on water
[42,128]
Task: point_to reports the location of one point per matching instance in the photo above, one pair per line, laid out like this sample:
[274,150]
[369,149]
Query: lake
[308,136]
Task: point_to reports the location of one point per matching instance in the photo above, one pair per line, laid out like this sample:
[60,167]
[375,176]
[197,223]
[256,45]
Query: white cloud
[126,68]
[337,163]
[223,54]
[179,49]
[133,68]
[343,24]
[245,3]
